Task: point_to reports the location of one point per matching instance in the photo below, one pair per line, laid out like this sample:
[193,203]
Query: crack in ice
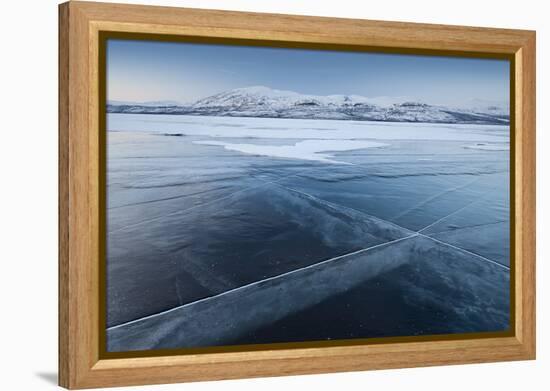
[466,251]
[262,281]
[431,198]
[418,233]
[453,213]
[336,206]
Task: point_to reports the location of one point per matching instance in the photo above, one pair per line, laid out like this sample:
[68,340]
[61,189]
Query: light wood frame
[80,24]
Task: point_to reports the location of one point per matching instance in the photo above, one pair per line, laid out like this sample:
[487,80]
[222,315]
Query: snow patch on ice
[303,150]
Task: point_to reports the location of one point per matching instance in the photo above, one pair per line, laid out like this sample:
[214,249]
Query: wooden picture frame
[81,363]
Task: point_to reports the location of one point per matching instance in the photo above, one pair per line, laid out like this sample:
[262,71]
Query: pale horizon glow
[142,71]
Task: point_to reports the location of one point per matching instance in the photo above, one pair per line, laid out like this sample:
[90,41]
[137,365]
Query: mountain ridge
[261,101]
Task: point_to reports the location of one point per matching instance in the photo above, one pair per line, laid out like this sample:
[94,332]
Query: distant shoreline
[121,110]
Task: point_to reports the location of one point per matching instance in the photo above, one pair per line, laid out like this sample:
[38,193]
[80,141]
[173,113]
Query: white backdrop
[28,218]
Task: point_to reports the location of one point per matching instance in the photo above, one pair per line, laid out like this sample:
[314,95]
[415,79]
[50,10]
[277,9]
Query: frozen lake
[200,206]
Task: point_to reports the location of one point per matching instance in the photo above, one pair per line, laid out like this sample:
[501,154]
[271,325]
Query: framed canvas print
[251,195]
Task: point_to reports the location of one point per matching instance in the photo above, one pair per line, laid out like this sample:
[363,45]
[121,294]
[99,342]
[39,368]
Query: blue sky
[184,72]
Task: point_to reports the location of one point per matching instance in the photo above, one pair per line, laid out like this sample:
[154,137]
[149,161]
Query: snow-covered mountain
[262,101]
